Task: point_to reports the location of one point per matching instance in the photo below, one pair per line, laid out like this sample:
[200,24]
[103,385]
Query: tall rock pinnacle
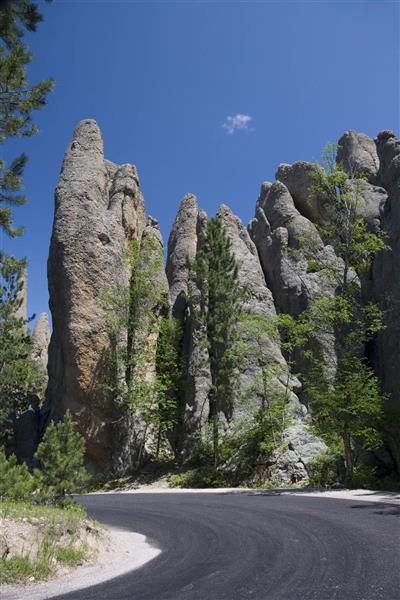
[99,209]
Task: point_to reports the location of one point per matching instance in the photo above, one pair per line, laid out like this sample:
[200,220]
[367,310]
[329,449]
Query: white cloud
[236,123]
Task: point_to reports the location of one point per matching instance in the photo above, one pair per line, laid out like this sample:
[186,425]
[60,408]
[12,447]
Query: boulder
[358,156]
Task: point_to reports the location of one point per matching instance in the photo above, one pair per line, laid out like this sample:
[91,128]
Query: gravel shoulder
[123,551]
[344,494]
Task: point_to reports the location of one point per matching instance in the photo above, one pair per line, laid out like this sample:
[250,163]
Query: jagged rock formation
[298,267]
[184,243]
[41,340]
[99,209]
[283,263]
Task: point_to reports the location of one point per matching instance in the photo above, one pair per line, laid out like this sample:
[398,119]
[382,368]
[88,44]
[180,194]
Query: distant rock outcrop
[41,340]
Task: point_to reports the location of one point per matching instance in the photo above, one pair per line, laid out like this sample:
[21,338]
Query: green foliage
[133,311]
[313,266]
[18,99]
[20,376]
[10,183]
[168,381]
[61,455]
[321,470]
[16,483]
[350,407]
[364,478]
[345,399]
[271,383]
[205,476]
[345,228]
[138,311]
[215,273]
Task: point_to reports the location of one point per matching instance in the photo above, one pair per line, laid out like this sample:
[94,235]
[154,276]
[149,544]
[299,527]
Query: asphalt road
[261,547]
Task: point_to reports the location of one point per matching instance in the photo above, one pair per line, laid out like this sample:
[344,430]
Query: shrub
[364,477]
[313,266]
[16,483]
[200,477]
[321,470]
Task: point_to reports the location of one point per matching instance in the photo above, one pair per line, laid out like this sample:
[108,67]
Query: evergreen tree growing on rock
[216,274]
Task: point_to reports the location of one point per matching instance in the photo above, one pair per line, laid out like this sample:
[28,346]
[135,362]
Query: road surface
[258,546]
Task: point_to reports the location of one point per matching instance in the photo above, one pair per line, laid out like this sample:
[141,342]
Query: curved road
[260,546]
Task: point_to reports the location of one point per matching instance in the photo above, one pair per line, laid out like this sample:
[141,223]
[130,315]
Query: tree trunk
[348,457]
[215,430]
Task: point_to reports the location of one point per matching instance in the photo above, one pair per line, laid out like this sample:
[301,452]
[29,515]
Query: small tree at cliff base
[60,455]
[215,273]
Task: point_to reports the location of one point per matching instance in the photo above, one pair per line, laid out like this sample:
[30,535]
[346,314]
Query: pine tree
[216,275]
[18,99]
[60,454]
[168,377]
[20,376]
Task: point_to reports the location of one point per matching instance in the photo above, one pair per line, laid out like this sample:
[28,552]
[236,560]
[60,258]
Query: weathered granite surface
[99,209]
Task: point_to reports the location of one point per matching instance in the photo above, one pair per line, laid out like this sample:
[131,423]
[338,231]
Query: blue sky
[162,78]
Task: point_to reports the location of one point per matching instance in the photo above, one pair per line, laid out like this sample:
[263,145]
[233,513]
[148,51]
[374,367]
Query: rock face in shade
[357,154]
[98,209]
[41,340]
[386,285]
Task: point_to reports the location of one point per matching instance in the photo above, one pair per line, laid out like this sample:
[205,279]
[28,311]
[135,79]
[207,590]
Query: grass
[70,556]
[18,569]
[51,524]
